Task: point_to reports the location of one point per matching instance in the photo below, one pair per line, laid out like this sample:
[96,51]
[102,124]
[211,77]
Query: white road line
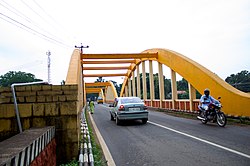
[202,140]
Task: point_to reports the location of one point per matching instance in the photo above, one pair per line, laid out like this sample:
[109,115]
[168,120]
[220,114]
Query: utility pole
[81,47]
[48,53]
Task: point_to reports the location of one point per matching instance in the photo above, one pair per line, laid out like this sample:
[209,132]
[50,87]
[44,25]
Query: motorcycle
[213,114]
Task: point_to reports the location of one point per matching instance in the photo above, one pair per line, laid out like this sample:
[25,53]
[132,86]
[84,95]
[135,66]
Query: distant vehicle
[99,100]
[128,108]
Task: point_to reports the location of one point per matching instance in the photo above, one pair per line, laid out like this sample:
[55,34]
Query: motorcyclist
[205,100]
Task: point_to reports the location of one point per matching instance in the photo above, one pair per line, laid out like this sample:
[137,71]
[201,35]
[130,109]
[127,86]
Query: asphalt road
[173,141]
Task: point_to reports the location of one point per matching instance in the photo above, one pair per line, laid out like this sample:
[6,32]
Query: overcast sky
[214,33]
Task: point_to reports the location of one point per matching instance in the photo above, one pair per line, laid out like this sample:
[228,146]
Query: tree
[182,85]
[100,79]
[240,80]
[16,77]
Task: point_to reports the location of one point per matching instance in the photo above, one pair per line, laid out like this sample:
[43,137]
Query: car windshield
[130,100]
[99,98]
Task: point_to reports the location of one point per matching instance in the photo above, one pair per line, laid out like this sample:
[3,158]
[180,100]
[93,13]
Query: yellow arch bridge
[235,102]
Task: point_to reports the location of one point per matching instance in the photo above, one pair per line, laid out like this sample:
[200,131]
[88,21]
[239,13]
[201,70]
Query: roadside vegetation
[99,159]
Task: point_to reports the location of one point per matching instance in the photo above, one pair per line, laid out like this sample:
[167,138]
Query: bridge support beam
[138,81]
[129,87]
[144,83]
[151,80]
[192,96]
[161,84]
[174,88]
[126,91]
[133,83]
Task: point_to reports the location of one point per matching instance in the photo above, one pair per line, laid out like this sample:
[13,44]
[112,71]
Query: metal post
[15,102]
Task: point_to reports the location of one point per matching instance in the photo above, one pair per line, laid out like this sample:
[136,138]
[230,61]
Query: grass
[99,159]
[71,163]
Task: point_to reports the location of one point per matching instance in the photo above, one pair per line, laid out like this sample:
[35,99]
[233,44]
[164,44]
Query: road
[173,141]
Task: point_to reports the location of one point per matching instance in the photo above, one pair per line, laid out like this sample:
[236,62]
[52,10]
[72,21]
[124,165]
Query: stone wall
[44,105]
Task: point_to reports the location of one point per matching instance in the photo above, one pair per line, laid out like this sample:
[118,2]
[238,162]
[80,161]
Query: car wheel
[117,121]
[111,117]
[144,121]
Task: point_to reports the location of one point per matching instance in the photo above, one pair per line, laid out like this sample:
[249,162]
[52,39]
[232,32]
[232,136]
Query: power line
[20,14]
[55,22]
[34,31]
[33,10]
[17,12]
[24,66]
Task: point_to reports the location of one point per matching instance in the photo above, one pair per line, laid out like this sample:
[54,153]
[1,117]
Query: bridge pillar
[161,84]
[192,96]
[151,80]
[138,81]
[129,87]
[144,83]
[174,88]
[126,91]
[133,83]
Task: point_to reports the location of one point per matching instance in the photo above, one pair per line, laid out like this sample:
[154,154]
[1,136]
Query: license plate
[134,109]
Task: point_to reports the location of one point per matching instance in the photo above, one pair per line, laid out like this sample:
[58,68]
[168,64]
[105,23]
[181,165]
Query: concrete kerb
[104,147]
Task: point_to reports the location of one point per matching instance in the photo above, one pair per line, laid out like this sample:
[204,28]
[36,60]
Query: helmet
[207,92]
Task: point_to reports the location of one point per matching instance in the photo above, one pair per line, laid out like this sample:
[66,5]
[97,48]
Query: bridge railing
[178,105]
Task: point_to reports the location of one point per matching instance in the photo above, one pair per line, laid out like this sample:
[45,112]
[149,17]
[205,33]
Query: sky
[214,33]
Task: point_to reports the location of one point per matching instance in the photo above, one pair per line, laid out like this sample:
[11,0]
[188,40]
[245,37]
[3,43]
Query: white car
[128,108]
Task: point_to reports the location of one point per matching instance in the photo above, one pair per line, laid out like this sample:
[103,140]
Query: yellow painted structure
[110,91]
[74,77]
[234,102]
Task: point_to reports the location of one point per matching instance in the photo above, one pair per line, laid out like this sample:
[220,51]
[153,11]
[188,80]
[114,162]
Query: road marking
[202,140]
[105,149]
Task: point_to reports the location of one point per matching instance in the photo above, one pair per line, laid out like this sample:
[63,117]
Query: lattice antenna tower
[49,63]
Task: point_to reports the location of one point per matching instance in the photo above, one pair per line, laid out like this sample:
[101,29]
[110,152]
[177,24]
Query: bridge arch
[110,92]
[234,101]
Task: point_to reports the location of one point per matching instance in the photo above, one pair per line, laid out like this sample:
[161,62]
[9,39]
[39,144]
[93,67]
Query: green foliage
[71,163]
[96,149]
[100,79]
[182,85]
[16,77]
[240,80]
